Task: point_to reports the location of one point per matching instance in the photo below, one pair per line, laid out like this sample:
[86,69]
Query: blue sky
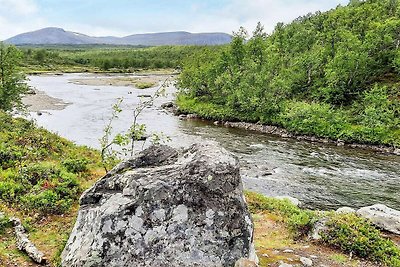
[124,17]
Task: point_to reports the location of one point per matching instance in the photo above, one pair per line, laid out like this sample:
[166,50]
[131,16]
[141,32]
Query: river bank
[282,132]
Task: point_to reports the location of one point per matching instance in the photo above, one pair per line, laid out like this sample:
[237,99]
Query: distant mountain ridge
[59,36]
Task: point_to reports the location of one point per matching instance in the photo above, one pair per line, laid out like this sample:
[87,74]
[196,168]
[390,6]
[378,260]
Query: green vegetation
[41,179]
[346,232]
[12,84]
[104,58]
[40,171]
[356,235]
[332,74]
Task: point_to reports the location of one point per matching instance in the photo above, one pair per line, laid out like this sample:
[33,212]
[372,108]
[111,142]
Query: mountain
[55,36]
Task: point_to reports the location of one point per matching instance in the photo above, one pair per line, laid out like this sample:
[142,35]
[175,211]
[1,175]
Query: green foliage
[346,232]
[75,165]
[4,223]
[353,234]
[12,84]
[39,171]
[332,74]
[313,118]
[298,220]
[105,58]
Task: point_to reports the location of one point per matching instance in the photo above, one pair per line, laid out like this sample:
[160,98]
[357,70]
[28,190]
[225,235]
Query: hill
[58,36]
[331,75]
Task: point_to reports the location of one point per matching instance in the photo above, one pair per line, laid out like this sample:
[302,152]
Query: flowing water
[320,175]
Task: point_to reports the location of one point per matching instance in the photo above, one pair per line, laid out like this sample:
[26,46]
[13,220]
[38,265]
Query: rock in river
[165,207]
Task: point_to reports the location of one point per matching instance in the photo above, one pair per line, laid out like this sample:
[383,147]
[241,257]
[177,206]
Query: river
[320,175]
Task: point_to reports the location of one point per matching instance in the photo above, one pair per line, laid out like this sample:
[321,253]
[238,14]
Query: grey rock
[292,200]
[345,210]
[167,105]
[306,261]
[285,265]
[382,216]
[165,208]
[318,228]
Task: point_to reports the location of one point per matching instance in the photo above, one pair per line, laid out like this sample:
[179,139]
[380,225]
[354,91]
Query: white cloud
[22,7]
[247,13]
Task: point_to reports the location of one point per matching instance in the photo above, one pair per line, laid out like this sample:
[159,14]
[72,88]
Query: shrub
[4,223]
[353,234]
[41,171]
[46,202]
[9,157]
[313,118]
[75,165]
[10,190]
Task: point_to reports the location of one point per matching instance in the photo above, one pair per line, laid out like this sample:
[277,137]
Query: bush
[4,223]
[10,190]
[36,172]
[313,118]
[47,202]
[75,165]
[9,157]
[353,234]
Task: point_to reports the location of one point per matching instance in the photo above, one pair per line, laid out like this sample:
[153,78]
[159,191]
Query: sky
[125,17]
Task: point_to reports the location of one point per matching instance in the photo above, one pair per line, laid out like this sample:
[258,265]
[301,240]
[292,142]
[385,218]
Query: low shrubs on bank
[40,171]
[346,232]
[303,118]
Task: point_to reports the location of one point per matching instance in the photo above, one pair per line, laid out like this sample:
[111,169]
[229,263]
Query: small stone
[319,228]
[345,210]
[340,143]
[288,251]
[292,200]
[285,265]
[313,257]
[265,255]
[306,261]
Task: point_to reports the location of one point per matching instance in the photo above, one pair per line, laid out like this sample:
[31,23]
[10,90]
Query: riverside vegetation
[102,58]
[333,75]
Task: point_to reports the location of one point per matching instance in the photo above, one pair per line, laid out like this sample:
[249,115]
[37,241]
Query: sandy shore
[141,82]
[40,101]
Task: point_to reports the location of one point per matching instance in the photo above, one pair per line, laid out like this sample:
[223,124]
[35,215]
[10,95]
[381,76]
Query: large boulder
[382,216]
[164,208]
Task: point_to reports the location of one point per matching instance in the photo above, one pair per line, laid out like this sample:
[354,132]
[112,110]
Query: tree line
[333,74]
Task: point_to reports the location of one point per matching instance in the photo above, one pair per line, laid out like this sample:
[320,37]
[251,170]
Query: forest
[105,58]
[332,74]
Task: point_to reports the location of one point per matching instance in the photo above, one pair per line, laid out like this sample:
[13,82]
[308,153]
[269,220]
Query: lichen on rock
[165,207]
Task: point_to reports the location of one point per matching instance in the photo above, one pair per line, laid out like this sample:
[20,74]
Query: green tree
[12,81]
